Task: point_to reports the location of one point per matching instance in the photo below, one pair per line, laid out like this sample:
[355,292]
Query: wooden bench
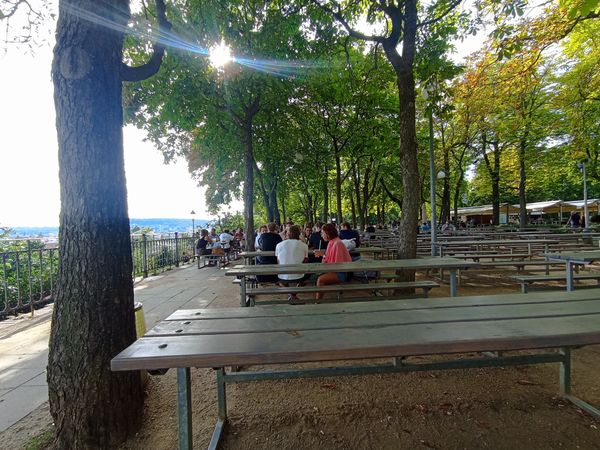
[526,280]
[221,338]
[376,288]
[218,260]
[492,256]
[520,265]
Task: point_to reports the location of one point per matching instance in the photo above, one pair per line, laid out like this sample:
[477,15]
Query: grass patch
[40,441]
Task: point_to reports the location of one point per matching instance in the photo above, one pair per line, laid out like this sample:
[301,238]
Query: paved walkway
[24,340]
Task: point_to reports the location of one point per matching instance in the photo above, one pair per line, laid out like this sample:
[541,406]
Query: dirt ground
[495,408]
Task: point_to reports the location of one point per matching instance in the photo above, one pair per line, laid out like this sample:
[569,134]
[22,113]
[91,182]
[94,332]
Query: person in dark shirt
[267,243]
[316,242]
[348,233]
[202,244]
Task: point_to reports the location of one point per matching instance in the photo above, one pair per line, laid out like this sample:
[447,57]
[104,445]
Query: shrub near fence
[29,268]
[28,274]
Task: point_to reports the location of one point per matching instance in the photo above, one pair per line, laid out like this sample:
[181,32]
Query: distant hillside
[158,225]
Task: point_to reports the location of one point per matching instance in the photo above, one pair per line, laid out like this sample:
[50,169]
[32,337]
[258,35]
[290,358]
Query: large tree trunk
[409,169]
[93,317]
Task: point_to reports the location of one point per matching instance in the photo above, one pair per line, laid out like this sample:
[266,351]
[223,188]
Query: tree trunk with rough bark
[93,317]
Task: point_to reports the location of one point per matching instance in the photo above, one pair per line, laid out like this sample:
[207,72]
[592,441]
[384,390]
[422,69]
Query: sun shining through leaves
[219,55]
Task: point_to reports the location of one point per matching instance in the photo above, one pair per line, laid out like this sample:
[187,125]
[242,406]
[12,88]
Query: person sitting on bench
[336,253]
[267,243]
[203,244]
[292,251]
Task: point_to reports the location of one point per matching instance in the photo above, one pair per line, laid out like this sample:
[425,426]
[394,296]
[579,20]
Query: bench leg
[565,385]
[222,404]
[243,291]
[184,408]
[524,288]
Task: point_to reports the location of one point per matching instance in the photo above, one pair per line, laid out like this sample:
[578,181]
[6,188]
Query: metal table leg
[222,402]
[243,291]
[453,283]
[565,385]
[184,408]
[569,266]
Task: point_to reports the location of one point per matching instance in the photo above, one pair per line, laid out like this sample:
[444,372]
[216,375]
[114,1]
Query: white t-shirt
[291,251]
[225,239]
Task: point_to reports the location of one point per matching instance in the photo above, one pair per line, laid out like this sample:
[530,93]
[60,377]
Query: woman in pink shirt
[336,253]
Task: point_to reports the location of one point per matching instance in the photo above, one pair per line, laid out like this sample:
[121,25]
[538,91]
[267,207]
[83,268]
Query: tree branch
[340,18]
[144,71]
[448,10]
[392,197]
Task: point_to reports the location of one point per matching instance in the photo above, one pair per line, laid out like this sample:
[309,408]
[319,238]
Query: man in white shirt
[292,251]
[225,239]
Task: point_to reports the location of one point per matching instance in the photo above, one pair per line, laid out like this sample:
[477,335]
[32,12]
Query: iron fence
[29,268]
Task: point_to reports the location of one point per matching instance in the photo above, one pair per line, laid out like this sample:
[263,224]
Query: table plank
[388,305]
[356,266]
[341,344]
[580,257]
[374,319]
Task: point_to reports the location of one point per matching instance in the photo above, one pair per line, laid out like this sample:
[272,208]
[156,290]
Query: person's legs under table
[326,279]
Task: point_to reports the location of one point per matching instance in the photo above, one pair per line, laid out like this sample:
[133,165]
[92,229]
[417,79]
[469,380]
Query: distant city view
[158,225]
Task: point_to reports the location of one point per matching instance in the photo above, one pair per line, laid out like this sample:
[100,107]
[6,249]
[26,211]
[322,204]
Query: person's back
[225,238]
[292,251]
[267,243]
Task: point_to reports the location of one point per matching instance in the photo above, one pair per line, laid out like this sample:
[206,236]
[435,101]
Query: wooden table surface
[578,257]
[356,266]
[328,332]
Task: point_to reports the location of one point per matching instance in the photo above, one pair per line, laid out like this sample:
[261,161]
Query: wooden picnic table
[357,251]
[450,264]
[219,338]
[572,258]
[478,244]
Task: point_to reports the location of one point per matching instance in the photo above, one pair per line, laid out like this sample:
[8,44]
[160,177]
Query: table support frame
[495,359]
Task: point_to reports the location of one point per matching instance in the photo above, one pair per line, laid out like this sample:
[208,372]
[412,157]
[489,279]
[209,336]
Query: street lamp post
[427,93]
[581,167]
[193,213]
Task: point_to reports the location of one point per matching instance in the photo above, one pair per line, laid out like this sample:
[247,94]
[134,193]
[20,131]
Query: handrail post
[30,276]
[176,249]
[144,256]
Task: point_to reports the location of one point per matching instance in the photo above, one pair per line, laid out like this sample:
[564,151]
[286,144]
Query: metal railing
[28,272]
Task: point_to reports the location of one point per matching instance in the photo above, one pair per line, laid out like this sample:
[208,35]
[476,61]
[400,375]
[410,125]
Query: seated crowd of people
[291,245]
[211,243]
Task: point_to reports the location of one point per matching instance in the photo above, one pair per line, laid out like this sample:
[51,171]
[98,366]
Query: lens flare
[219,55]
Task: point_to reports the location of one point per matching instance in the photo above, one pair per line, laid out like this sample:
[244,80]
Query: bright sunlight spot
[220,54]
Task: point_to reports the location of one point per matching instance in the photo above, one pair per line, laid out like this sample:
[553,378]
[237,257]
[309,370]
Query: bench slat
[341,287]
